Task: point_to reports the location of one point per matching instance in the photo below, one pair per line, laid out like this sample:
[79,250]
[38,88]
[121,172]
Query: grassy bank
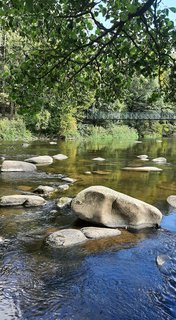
[13,130]
[118,132]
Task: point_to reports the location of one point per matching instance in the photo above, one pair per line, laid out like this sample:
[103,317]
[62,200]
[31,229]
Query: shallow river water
[113,279]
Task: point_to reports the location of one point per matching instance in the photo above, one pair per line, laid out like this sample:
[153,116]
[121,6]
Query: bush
[68,127]
[15,129]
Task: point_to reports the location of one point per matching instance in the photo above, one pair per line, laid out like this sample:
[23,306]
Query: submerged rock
[40,160]
[144,169]
[160,160]
[101,172]
[98,159]
[16,166]
[60,157]
[88,172]
[107,207]
[66,238]
[98,233]
[172,201]
[64,202]
[19,200]
[44,190]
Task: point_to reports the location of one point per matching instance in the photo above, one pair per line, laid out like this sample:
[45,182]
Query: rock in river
[64,202]
[60,157]
[98,233]
[143,157]
[66,238]
[98,159]
[69,180]
[40,160]
[13,166]
[113,209]
[19,200]
[160,160]
[44,190]
[172,201]
[142,169]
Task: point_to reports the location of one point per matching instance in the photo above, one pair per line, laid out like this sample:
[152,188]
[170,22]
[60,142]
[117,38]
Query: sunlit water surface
[113,279]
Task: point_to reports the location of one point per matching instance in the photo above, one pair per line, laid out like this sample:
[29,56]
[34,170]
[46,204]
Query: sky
[170,3]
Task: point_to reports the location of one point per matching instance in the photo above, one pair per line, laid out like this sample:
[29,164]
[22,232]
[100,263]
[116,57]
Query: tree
[79,46]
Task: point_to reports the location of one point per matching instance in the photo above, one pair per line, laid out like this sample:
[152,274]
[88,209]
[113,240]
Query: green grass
[120,132]
[13,130]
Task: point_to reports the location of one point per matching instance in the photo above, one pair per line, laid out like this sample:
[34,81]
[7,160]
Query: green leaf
[173,9]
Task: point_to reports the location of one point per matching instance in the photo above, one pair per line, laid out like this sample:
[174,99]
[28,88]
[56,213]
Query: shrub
[15,129]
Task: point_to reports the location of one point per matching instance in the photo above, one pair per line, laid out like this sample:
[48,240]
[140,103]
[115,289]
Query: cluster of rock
[29,165]
[99,205]
[69,237]
[144,157]
[109,209]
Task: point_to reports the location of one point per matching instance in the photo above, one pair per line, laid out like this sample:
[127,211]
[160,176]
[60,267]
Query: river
[108,279]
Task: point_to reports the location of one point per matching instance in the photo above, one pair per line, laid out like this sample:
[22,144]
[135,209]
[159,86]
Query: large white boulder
[113,209]
[16,166]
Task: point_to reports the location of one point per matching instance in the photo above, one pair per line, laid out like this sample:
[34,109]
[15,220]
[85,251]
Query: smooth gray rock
[69,180]
[143,157]
[160,160]
[172,201]
[66,238]
[64,202]
[17,166]
[18,200]
[113,209]
[142,169]
[60,157]
[44,190]
[63,187]
[98,233]
[40,160]
[98,159]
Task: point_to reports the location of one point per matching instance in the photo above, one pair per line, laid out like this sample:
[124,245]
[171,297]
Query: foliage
[11,130]
[61,57]
[144,96]
[120,132]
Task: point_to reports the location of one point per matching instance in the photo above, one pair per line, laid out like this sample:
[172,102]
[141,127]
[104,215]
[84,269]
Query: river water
[113,279]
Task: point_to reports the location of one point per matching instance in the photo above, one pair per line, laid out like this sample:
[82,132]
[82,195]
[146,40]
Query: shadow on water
[114,278]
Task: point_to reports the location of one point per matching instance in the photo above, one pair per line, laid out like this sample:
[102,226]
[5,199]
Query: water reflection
[115,278]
